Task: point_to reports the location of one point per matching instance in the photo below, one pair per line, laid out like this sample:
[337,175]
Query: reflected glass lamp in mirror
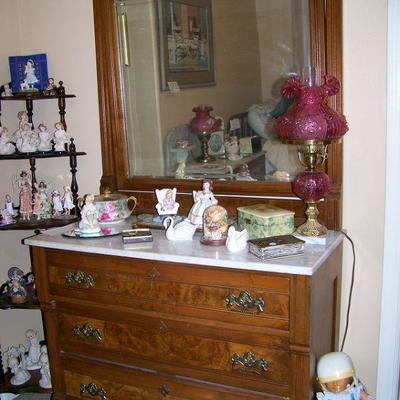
[203,124]
[312,125]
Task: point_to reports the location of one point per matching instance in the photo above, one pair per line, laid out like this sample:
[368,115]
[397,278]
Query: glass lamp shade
[203,122]
[310,118]
[311,186]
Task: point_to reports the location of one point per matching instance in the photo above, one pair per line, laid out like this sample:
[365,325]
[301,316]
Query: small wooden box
[262,220]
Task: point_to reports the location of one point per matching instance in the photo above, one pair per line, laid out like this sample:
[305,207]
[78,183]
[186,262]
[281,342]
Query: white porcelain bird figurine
[236,241]
[182,231]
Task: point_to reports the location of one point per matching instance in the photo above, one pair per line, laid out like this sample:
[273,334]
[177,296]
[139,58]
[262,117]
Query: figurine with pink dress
[25,200]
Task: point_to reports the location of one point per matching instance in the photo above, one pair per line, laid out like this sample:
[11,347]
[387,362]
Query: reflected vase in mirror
[203,124]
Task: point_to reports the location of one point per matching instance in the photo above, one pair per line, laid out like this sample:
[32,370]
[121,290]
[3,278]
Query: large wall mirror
[158,59]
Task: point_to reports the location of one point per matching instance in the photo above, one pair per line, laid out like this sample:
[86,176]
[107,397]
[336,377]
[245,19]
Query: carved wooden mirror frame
[326,53]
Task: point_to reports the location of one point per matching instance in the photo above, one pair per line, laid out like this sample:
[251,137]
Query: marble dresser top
[190,252]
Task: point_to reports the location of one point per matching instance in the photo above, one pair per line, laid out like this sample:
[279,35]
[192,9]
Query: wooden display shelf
[32,386]
[31,304]
[52,154]
[35,96]
[34,224]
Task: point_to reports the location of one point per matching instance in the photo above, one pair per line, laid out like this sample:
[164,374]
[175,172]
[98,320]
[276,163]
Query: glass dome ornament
[311,124]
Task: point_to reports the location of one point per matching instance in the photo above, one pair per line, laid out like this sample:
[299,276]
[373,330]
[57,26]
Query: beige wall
[64,30]
[54,26]
[364,87]
[237,68]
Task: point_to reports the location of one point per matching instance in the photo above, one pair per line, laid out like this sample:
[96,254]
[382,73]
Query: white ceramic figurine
[60,137]
[202,199]
[6,147]
[89,216]
[32,360]
[45,138]
[20,374]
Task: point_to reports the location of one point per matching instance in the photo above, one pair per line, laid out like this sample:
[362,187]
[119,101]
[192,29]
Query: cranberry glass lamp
[203,124]
[312,125]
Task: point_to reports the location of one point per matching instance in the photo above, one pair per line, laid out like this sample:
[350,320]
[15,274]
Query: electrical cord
[351,290]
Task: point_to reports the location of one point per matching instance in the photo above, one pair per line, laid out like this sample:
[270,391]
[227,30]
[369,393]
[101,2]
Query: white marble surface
[190,252]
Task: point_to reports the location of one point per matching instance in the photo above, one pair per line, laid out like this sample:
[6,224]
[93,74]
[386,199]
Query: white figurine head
[59,125]
[335,372]
[43,349]
[31,334]
[13,362]
[43,359]
[42,127]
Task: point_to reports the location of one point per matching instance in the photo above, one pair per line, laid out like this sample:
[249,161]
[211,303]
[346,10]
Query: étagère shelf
[70,152]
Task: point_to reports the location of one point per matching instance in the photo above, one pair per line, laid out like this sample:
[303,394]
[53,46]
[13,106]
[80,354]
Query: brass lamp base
[312,227]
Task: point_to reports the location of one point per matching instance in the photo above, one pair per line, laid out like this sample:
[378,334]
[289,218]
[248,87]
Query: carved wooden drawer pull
[92,390]
[87,331]
[79,279]
[244,303]
[249,363]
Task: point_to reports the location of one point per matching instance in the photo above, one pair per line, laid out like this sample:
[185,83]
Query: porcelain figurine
[30,75]
[336,375]
[45,377]
[21,376]
[32,360]
[9,206]
[28,141]
[180,170]
[215,226]
[60,137]
[182,231]
[236,240]
[89,216]
[46,211]
[22,120]
[6,147]
[51,88]
[6,218]
[16,283]
[232,148]
[25,200]
[202,199]
[244,174]
[45,138]
[57,203]
[37,205]
[7,91]
[166,201]
[67,200]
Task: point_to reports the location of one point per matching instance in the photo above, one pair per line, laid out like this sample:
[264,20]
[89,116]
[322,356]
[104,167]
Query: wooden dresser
[182,320]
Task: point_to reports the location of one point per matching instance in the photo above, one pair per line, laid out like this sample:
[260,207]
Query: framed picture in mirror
[186,43]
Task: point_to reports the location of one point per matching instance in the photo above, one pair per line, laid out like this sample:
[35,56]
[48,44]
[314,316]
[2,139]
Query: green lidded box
[262,220]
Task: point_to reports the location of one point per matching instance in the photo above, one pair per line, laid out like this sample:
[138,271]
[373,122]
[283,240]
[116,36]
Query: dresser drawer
[190,348]
[237,296]
[85,379]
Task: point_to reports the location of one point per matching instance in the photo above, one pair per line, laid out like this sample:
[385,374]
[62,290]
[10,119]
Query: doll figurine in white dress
[89,216]
[6,147]
[32,360]
[60,137]
[67,200]
[202,199]
[44,138]
[57,203]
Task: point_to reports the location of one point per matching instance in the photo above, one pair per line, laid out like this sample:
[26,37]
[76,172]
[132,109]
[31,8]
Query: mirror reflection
[229,55]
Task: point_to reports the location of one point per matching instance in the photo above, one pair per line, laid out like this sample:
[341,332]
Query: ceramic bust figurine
[60,137]
[32,360]
[20,374]
[6,147]
[166,201]
[6,90]
[45,138]
[45,377]
[89,216]
[202,199]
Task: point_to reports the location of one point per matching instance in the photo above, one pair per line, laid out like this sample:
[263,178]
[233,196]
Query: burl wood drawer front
[188,349]
[89,379]
[257,299]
